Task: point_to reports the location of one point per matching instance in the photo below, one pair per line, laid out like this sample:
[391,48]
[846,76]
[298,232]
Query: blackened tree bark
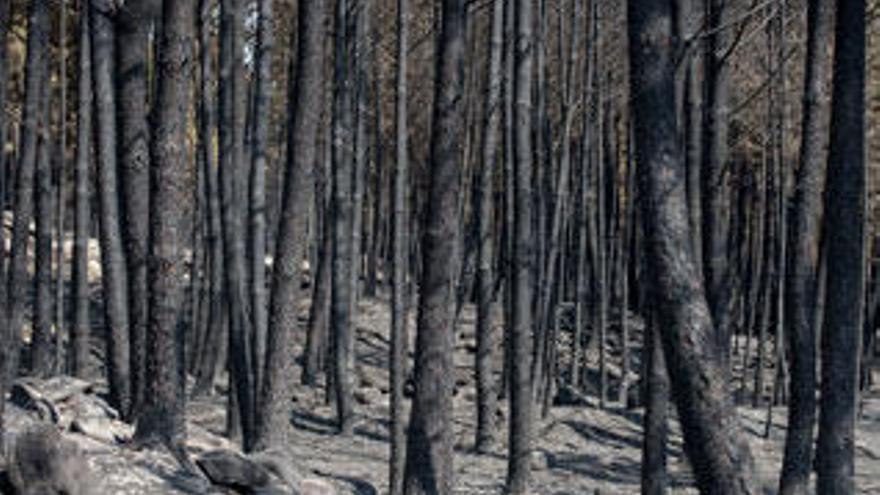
[845,223]
[5,19]
[486,393]
[430,441]
[720,460]
[133,25]
[216,334]
[33,124]
[260,121]
[342,216]
[81,326]
[305,108]
[59,360]
[714,175]
[162,418]
[800,289]
[401,241]
[654,477]
[41,350]
[520,331]
[232,169]
[113,268]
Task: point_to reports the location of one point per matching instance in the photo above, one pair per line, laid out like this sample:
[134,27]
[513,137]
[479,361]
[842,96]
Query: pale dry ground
[582,450]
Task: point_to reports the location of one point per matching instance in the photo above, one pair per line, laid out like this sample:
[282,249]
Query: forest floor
[579,448]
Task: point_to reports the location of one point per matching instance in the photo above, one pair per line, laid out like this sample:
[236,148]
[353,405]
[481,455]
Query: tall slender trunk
[520,337]
[400,240]
[260,121]
[216,331]
[721,460]
[61,197]
[133,25]
[162,417]
[804,261]
[429,455]
[845,224]
[232,105]
[486,394]
[654,477]
[81,365]
[41,349]
[342,218]
[113,267]
[34,124]
[305,100]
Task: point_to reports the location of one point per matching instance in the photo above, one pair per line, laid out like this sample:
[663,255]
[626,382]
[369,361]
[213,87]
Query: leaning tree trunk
[520,331]
[81,365]
[232,169]
[400,235]
[654,445]
[845,224]
[306,97]
[486,395]
[430,442]
[113,268]
[133,27]
[800,289]
[721,461]
[162,418]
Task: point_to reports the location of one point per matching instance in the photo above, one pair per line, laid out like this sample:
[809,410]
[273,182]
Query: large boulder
[43,462]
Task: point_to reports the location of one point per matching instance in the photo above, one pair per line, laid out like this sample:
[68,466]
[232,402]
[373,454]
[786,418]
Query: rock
[45,463]
[61,388]
[280,465]
[26,396]
[230,469]
[314,486]
[540,460]
[102,429]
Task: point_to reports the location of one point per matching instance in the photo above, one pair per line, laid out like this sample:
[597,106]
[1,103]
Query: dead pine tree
[162,418]
[802,280]
[305,100]
[486,395]
[400,246]
[232,169]
[429,449]
[845,223]
[721,461]
[114,275]
[80,365]
[520,330]
[132,36]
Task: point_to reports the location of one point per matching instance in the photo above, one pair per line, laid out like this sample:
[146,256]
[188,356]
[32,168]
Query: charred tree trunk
[41,349]
[400,241]
[232,188]
[306,97]
[34,124]
[520,337]
[81,365]
[133,25]
[216,332]
[721,461]
[486,394]
[845,224]
[654,477]
[802,280]
[113,267]
[162,418]
[342,219]
[260,121]
[430,443]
